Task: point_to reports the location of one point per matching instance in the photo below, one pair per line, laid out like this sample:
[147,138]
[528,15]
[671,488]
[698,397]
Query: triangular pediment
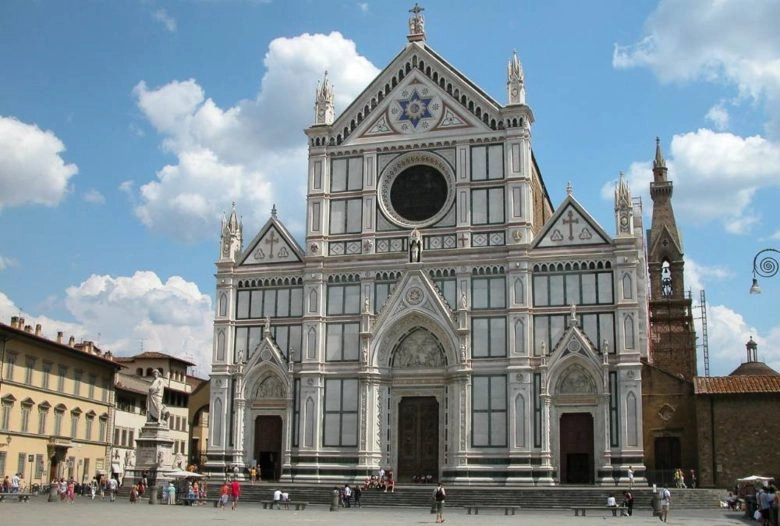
[266,369]
[418,93]
[415,293]
[571,225]
[574,364]
[273,245]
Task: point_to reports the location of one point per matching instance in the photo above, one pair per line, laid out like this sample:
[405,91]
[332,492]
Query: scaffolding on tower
[702,318]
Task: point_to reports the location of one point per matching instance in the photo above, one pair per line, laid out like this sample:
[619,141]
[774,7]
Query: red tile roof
[740,384]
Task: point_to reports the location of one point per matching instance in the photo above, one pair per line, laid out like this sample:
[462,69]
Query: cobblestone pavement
[86,512]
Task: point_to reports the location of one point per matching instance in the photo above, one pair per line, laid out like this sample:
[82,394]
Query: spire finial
[569,188]
[273,211]
[659,161]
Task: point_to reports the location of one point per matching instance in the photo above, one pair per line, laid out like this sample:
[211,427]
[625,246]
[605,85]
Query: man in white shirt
[15,483]
[277,498]
[112,487]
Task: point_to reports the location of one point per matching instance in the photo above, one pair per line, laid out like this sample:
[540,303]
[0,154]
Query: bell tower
[673,337]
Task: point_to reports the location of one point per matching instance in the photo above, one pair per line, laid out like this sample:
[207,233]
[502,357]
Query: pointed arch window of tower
[666,279]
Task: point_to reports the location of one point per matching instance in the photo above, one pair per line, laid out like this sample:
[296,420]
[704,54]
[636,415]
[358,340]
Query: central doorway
[576,458]
[418,438]
[268,446]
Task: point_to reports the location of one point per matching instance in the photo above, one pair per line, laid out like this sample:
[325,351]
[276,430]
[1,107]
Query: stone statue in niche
[415,246]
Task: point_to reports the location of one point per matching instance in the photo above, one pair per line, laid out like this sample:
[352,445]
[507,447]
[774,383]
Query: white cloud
[95,197]
[718,115]
[733,42]
[728,332]
[6,262]
[31,167]
[363,6]
[124,313]
[696,274]
[162,16]
[249,152]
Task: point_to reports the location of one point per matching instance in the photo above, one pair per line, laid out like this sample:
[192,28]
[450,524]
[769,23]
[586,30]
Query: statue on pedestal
[154,400]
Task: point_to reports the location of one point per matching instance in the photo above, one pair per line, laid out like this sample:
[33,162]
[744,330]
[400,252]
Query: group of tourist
[12,484]
[230,490]
[679,478]
[627,504]
[383,480]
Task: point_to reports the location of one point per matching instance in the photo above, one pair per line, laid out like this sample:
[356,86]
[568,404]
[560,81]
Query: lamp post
[765,265]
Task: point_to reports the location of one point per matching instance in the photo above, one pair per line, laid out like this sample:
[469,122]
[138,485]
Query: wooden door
[576,454]
[418,438]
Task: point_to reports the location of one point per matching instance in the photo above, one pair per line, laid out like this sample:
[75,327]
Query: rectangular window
[587,288]
[488,337]
[26,410]
[288,338]
[58,422]
[614,414]
[38,466]
[88,430]
[598,327]
[489,411]
[62,371]
[488,293]
[382,291]
[487,162]
[343,299]
[537,394]
[45,372]
[10,362]
[102,430]
[341,403]
[21,458]
[346,174]
[107,389]
[74,425]
[91,388]
[28,370]
[42,414]
[77,382]
[2,461]
[343,342]
[449,289]
[487,206]
[242,305]
[296,411]
[5,417]
[345,216]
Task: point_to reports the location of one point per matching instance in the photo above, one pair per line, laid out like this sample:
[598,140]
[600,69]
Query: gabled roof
[571,225]
[272,245]
[741,384]
[455,101]
[152,355]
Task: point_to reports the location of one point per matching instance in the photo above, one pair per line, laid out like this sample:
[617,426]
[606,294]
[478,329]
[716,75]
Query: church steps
[525,497]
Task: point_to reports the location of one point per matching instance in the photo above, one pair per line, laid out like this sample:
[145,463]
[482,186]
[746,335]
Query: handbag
[757,515]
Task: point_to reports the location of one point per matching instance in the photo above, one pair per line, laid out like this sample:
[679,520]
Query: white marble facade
[440,316]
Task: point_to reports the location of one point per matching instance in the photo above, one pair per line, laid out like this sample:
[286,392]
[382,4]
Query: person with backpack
[666,499]
[439,495]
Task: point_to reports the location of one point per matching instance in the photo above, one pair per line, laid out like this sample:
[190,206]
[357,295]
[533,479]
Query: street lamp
[766,267]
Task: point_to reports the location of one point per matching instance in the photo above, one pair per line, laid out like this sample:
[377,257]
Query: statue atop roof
[416,24]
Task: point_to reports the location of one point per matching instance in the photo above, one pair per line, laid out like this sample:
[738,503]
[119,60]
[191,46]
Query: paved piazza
[96,513]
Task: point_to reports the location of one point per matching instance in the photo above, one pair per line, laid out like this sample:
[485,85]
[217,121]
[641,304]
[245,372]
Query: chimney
[59,336]
[71,341]
[20,325]
[28,328]
[37,329]
[14,322]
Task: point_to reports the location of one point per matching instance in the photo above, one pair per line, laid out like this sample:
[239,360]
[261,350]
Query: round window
[417,189]
[418,193]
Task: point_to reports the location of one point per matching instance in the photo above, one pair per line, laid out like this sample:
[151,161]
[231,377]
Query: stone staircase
[525,497]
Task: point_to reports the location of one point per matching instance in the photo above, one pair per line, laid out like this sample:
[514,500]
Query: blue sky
[128,127]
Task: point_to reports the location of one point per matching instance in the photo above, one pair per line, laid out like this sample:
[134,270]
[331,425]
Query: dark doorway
[418,438]
[268,446]
[668,457]
[576,431]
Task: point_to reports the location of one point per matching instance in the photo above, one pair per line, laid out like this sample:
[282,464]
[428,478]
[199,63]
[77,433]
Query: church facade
[441,317]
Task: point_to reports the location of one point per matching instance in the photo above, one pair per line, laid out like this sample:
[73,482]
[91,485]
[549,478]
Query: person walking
[630,477]
[666,499]
[235,493]
[439,495]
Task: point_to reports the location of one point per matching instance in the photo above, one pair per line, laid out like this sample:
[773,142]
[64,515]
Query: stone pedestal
[154,456]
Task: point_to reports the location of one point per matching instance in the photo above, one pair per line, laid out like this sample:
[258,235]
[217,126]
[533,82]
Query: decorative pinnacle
[569,188]
[659,161]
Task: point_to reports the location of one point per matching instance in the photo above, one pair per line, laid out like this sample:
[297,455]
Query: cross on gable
[571,222]
[270,240]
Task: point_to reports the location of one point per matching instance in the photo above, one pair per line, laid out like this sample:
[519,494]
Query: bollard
[334,501]
[53,490]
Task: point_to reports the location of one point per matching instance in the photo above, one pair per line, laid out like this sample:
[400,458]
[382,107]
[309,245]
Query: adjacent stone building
[441,316]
